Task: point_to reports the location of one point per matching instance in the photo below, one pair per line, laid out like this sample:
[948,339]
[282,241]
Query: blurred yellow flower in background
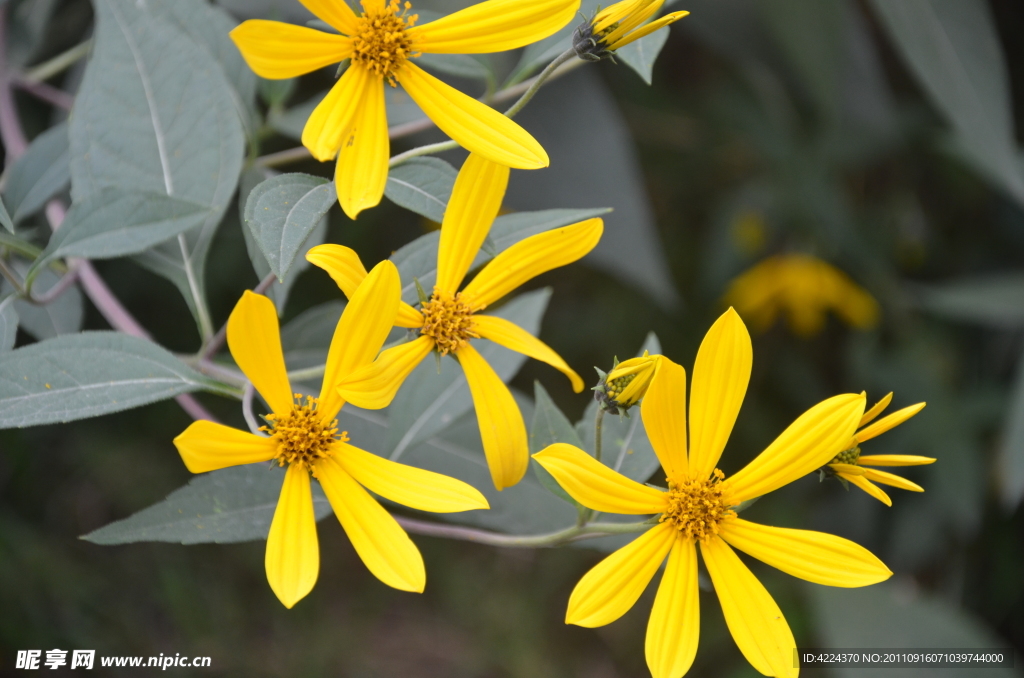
[303,435]
[381,43]
[618,25]
[805,289]
[850,465]
[450,319]
[698,508]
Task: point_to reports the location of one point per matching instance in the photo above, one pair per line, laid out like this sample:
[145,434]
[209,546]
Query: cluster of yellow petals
[448,320]
[697,507]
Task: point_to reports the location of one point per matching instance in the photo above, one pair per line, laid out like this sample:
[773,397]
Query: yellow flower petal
[664,413]
[809,443]
[813,556]
[364,325]
[206,446]
[877,476]
[477,127]
[380,541]
[611,587]
[644,31]
[293,553]
[326,126]
[894,460]
[720,377]
[596,486]
[868,486]
[276,50]
[494,26]
[889,422]
[529,258]
[476,199]
[347,270]
[754,620]
[634,18]
[875,410]
[254,338]
[373,386]
[362,168]
[338,14]
[501,424]
[513,337]
[407,485]
[614,14]
[847,469]
[674,627]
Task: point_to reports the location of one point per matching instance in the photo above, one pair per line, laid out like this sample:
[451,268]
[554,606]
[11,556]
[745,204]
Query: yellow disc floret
[696,507]
[448,320]
[302,437]
[381,42]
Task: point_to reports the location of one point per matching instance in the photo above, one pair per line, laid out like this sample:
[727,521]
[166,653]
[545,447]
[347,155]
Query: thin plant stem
[61,62]
[12,277]
[16,244]
[202,312]
[557,538]
[598,430]
[47,93]
[248,396]
[69,279]
[308,373]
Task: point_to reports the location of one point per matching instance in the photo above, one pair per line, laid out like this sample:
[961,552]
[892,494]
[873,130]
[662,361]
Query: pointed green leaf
[549,426]
[422,185]
[40,174]
[8,324]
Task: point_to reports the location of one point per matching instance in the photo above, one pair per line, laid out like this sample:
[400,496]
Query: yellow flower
[303,436]
[627,383]
[619,25]
[805,288]
[450,319]
[382,43]
[699,508]
[850,465]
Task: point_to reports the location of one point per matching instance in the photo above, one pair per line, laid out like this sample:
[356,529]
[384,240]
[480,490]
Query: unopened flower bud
[626,384]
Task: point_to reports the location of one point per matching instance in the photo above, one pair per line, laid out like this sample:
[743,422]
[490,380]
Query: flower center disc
[696,507]
[448,321]
[302,437]
[381,43]
[850,456]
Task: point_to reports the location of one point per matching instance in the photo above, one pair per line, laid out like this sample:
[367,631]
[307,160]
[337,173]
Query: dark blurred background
[759,136]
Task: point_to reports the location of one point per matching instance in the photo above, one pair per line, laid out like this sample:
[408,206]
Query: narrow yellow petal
[494,26]
[254,338]
[501,424]
[293,553]
[327,124]
[674,627]
[613,14]
[754,619]
[408,485]
[875,410]
[338,14]
[631,21]
[362,169]
[374,386]
[515,338]
[644,31]
[207,446]
[889,422]
[477,127]
[894,460]
[813,556]
[475,201]
[809,443]
[529,258]
[380,541]
[611,587]
[664,413]
[596,486]
[847,469]
[877,476]
[365,324]
[869,487]
[347,270]
[720,377]
[276,50]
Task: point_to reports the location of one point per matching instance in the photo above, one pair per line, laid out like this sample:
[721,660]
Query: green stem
[12,277]
[62,61]
[202,312]
[598,430]
[308,373]
[16,244]
[557,538]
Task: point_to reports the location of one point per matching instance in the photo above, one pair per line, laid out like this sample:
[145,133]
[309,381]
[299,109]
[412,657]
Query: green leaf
[8,324]
[1010,455]
[63,315]
[897,614]
[155,113]
[40,174]
[418,259]
[549,426]
[953,49]
[641,54]
[994,300]
[115,223]
[5,218]
[85,375]
[276,92]
[307,337]
[282,212]
[461,65]
[422,185]
[429,401]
